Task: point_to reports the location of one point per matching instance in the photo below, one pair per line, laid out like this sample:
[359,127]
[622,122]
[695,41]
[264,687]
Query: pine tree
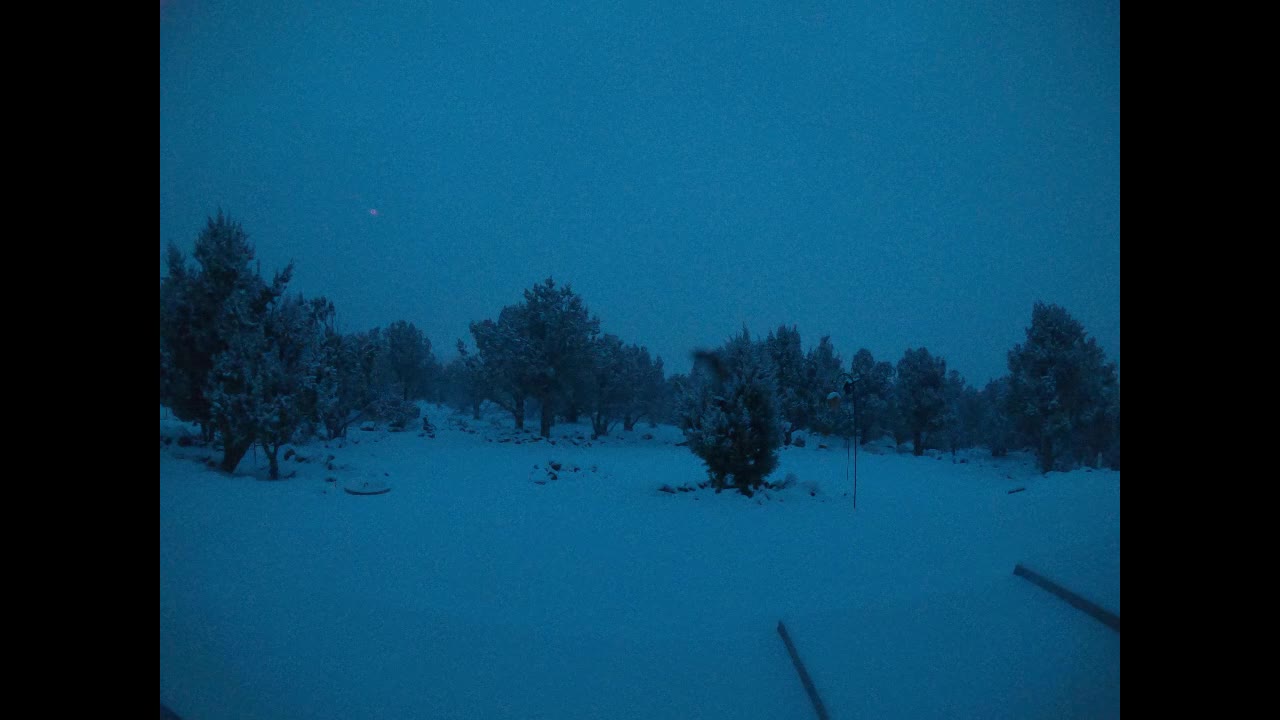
[963,416]
[795,395]
[202,307]
[730,415]
[287,377]
[996,430]
[644,383]
[465,382]
[921,395]
[410,359]
[608,385]
[1061,390]
[872,394]
[212,317]
[822,371]
[674,390]
[502,347]
[538,349]
[558,330]
[235,386]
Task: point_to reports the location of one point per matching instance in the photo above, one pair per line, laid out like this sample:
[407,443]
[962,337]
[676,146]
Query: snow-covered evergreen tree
[996,430]
[237,386]
[287,374]
[1061,390]
[539,349]
[654,398]
[822,371]
[730,415]
[465,382]
[185,358]
[558,330]
[962,420]
[410,359]
[322,394]
[872,394]
[609,384]
[795,394]
[503,350]
[921,395]
[212,317]
[673,392]
[202,307]
[1112,455]
[644,380]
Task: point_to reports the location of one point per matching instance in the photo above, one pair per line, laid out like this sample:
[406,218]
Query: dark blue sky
[892,174]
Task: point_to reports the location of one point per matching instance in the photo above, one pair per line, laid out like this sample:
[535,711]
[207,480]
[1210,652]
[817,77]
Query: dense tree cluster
[1061,399]
[548,351]
[253,365]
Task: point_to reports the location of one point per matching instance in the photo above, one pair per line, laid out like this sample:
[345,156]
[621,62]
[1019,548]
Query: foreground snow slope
[472,591]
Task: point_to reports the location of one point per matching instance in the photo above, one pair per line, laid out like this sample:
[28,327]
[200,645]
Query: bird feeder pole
[833,401]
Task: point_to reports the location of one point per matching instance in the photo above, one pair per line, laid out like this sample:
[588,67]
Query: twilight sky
[892,174]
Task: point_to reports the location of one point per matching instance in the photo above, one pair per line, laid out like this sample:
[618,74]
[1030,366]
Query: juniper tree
[730,415]
[558,330]
[921,395]
[607,383]
[872,395]
[644,383]
[502,347]
[822,369]
[201,307]
[464,381]
[288,372]
[410,359]
[795,395]
[537,349]
[996,430]
[1061,389]
[234,385]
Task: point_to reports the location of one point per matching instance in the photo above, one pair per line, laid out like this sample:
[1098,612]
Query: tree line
[253,364]
[747,398]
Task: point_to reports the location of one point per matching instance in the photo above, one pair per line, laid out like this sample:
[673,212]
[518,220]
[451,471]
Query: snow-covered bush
[730,415]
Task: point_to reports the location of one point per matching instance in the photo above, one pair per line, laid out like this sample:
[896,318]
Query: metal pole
[851,435]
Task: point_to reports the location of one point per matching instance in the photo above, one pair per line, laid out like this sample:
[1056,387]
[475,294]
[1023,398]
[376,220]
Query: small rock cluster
[554,470]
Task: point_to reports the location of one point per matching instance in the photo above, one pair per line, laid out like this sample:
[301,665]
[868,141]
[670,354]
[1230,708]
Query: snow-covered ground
[480,588]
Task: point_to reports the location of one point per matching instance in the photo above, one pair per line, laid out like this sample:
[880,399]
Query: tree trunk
[475,408]
[547,417]
[918,443]
[233,451]
[628,422]
[518,413]
[272,451]
[1046,455]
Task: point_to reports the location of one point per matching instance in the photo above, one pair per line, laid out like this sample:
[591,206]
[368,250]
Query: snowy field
[480,588]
